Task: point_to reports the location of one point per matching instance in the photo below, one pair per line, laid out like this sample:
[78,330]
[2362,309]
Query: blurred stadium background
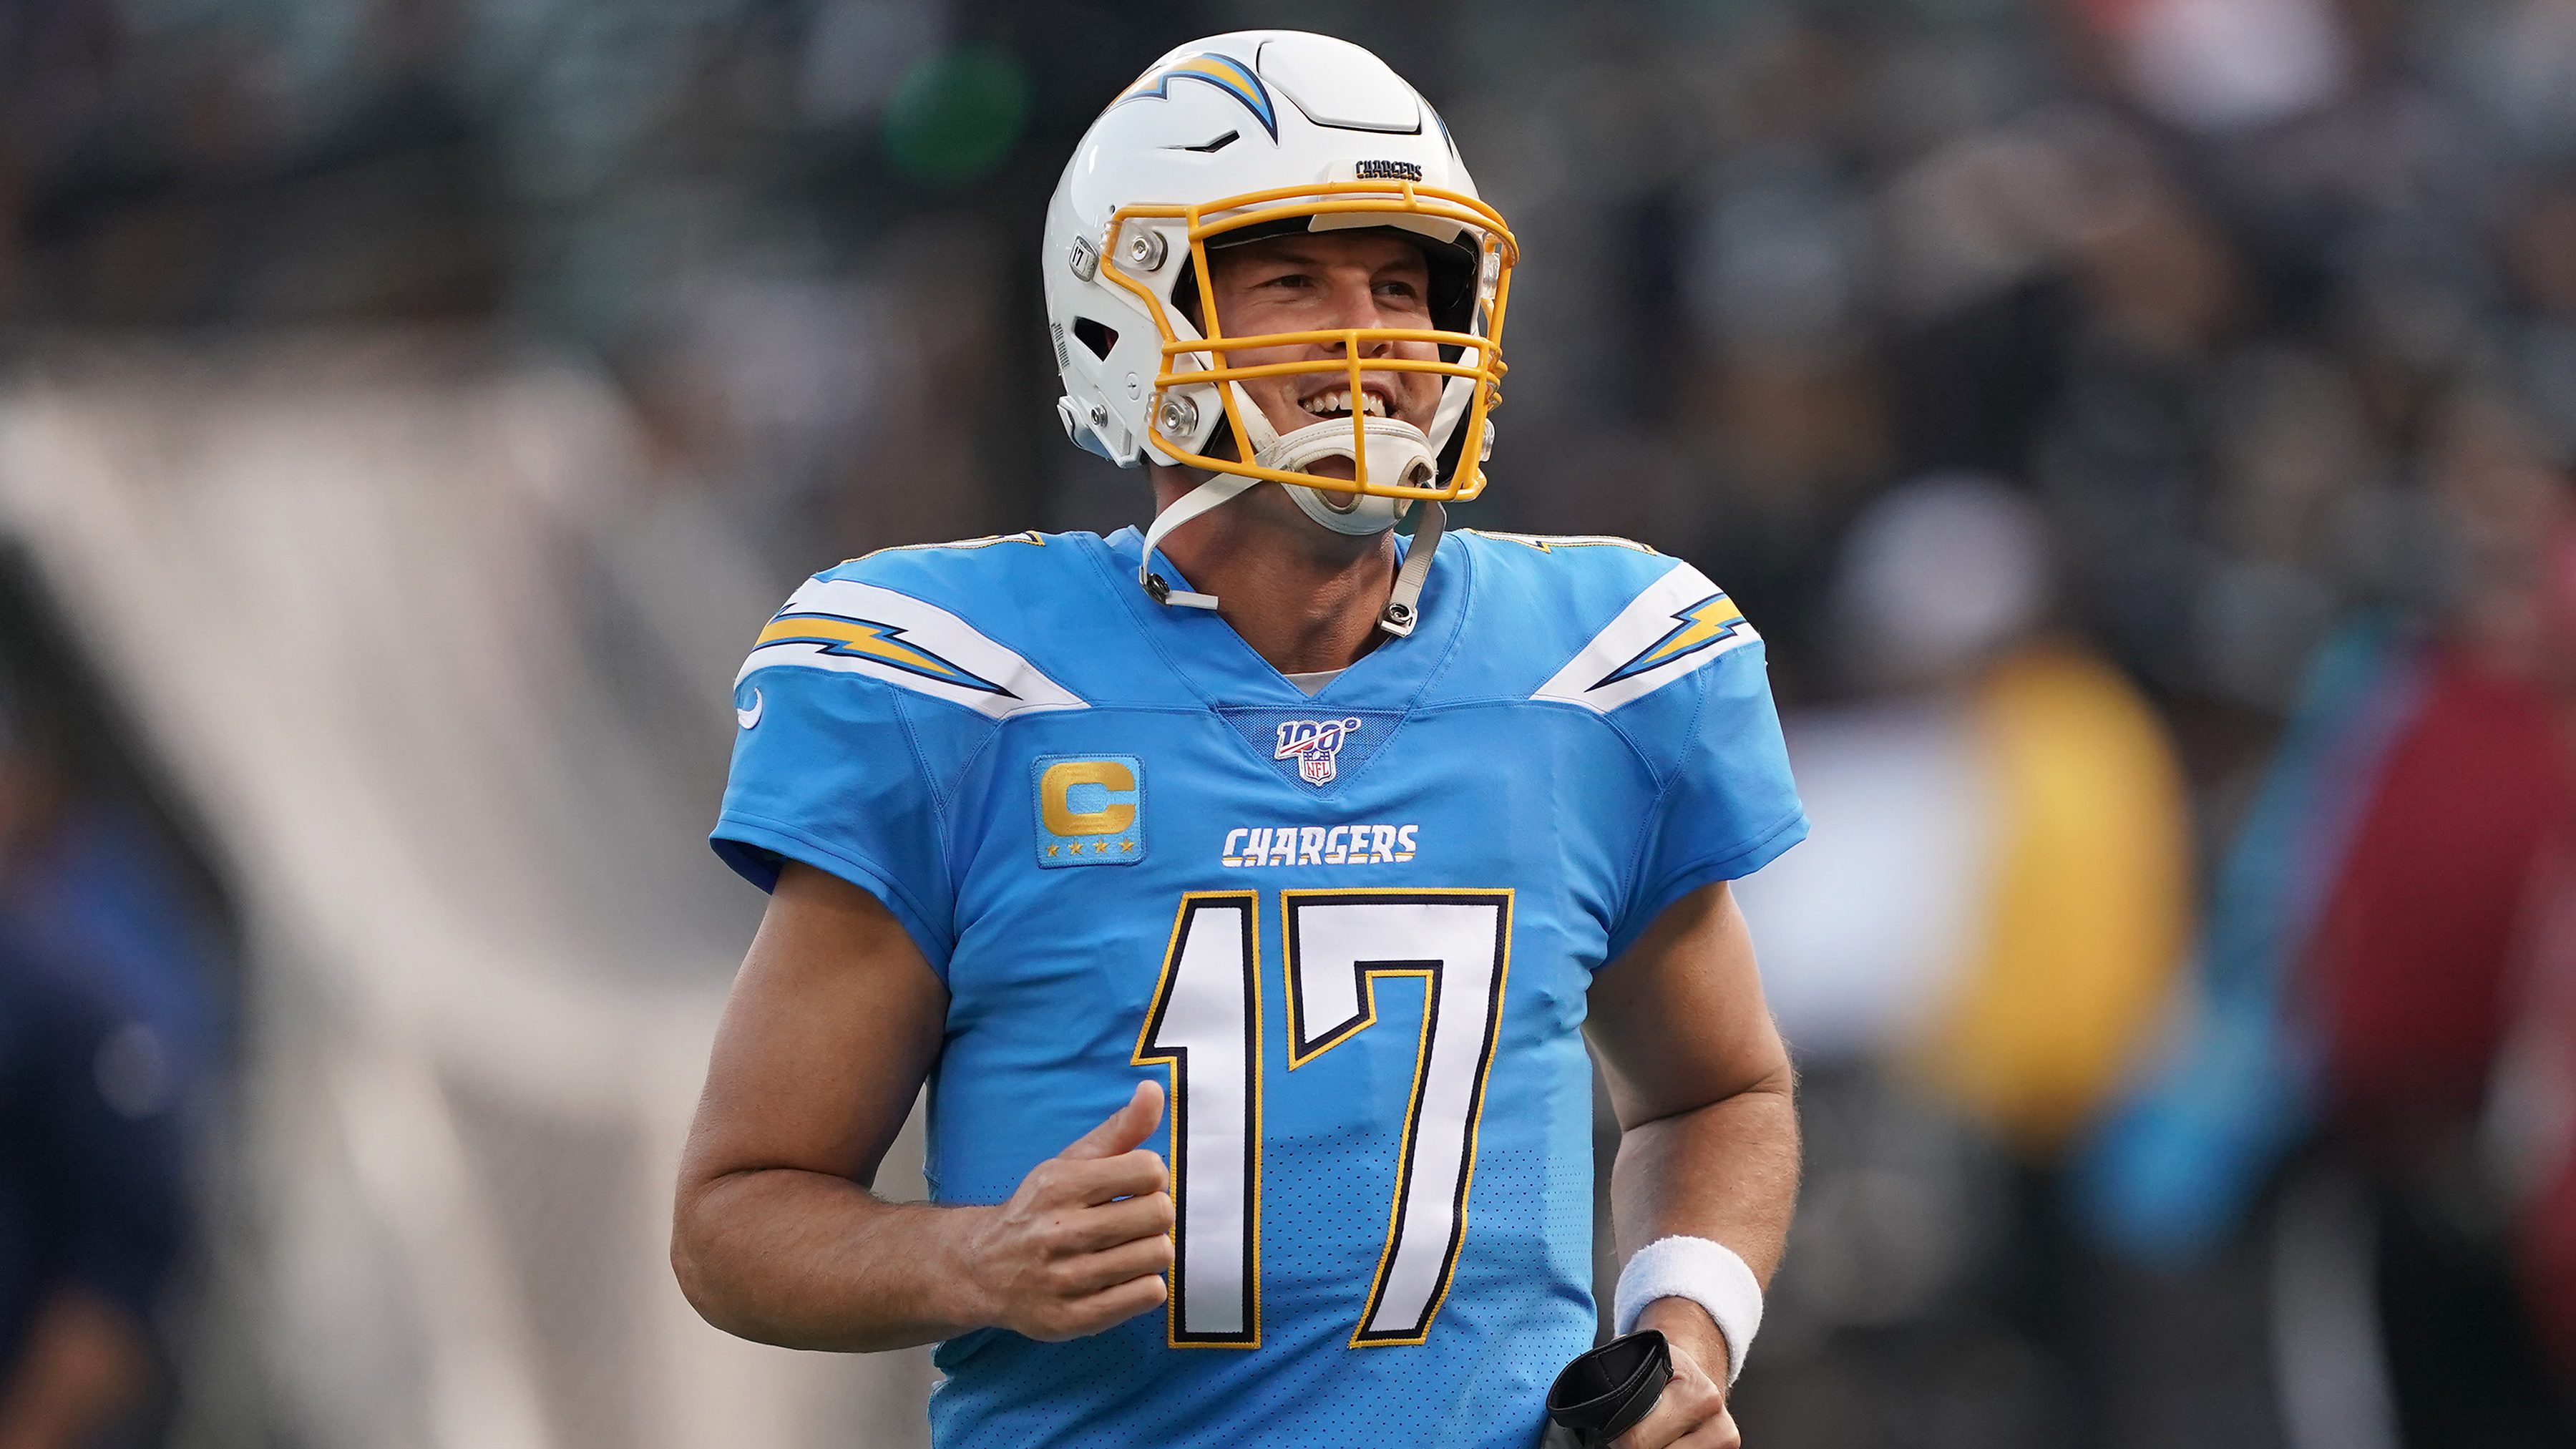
[2143,429]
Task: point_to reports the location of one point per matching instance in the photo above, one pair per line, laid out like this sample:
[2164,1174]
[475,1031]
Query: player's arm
[1702,1087]
[831,1028]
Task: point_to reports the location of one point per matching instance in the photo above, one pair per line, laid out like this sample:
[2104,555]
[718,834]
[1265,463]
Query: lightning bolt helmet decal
[1221,71]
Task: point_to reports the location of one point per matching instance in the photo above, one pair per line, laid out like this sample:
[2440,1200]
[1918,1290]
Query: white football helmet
[1241,136]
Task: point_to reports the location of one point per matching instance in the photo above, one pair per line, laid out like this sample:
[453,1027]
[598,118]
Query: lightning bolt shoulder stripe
[869,639]
[1709,622]
[851,627]
[1681,622]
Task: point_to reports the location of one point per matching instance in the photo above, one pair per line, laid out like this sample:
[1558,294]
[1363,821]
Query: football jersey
[1351,933]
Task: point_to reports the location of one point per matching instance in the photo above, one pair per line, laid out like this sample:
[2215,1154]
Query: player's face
[1317,281]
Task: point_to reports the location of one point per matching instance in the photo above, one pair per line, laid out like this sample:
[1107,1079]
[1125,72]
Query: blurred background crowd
[2143,430]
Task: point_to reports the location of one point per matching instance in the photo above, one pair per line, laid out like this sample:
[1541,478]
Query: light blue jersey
[1352,933]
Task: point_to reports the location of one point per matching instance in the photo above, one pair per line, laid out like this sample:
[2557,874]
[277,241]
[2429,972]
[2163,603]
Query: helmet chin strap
[1216,492]
[1395,448]
[1404,602]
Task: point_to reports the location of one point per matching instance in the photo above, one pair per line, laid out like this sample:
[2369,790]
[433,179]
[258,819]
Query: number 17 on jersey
[1204,1025]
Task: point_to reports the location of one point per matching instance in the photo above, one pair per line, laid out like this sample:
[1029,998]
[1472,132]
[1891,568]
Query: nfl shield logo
[1313,744]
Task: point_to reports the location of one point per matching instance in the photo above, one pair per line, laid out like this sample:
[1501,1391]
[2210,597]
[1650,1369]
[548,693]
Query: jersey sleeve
[1730,806]
[1727,805]
[825,772]
[855,724]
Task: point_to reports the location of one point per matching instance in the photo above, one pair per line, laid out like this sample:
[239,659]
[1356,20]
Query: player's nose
[1353,302]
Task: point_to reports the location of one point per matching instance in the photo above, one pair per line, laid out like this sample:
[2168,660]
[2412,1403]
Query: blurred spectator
[106,1032]
[2366,954]
[2414,965]
[2009,812]
[89,1207]
[1991,915]
[2531,1124]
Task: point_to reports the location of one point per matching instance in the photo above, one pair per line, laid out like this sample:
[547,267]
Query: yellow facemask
[1197,362]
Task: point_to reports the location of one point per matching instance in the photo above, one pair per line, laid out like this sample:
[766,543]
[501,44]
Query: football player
[1244,889]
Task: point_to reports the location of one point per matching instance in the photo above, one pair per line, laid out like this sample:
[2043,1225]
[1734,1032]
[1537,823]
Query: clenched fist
[1084,1243]
[1692,1413]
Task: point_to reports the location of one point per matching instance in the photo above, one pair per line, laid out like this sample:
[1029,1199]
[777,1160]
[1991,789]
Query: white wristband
[1708,1274]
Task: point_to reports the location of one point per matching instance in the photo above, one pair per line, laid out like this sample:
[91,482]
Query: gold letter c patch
[1055,788]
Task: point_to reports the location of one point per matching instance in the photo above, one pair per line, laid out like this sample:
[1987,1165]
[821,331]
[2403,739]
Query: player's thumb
[1126,1129]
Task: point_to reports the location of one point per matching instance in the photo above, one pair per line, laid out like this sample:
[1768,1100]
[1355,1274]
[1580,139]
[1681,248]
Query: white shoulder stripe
[1680,623]
[857,628]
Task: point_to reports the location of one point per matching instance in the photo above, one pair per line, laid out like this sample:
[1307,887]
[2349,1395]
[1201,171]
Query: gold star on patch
[1127,845]
[1050,850]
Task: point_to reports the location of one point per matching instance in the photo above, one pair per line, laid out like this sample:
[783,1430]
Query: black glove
[1602,1394]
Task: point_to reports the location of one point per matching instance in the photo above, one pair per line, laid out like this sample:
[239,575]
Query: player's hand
[1692,1413]
[1083,1244]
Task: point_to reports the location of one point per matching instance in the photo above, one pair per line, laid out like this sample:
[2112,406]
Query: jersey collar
[1205,651]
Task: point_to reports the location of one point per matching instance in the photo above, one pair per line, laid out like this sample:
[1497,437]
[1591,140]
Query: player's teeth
[1326,403]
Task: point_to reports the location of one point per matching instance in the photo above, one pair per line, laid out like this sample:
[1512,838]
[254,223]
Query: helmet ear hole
[1453,288]
[1454,447]
[1095,336]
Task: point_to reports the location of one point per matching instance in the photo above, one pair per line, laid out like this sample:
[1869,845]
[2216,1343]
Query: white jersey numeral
[1205,1025]
[1341,944]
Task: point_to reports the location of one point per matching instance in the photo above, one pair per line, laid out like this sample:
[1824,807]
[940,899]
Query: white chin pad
[1397,452]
